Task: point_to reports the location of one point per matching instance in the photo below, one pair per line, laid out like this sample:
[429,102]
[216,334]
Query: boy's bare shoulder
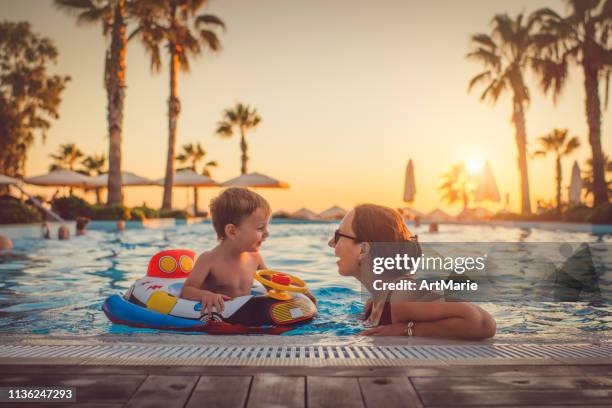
[206,257]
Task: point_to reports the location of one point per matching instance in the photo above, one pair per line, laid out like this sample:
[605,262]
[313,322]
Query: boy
[240,218]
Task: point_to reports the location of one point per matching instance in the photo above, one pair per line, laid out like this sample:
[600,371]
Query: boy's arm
[191,288]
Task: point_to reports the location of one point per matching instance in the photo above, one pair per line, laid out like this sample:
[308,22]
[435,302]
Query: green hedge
[110,212]
[16,212]
[602,214]
[144,211]
[71,207]
[179,214]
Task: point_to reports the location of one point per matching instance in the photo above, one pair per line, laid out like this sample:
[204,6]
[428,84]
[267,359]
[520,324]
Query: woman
[455,320]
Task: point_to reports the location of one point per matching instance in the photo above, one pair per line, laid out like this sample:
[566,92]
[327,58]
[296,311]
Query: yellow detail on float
[186,263]
[161,302]
[292,311]
[167,264]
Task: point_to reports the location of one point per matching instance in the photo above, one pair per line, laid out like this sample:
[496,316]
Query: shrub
[179,214]
[71,207]
[137,215]
[602,214]
[145,211]
[16,212]
[110,212]
[577,213]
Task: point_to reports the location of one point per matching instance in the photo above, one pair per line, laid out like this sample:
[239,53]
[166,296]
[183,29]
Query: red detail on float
[281,279]
[154,271]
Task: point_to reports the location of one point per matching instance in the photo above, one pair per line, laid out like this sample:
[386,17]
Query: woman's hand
[395,329]
[210,299]
[367,308]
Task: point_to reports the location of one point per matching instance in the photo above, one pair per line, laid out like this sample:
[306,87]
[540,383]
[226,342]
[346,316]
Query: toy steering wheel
[281,283]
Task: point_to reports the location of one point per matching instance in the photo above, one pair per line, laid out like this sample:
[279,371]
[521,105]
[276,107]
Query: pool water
[58,287]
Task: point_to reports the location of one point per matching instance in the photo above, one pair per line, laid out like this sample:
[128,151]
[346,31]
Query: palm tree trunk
[558,179]
[195,201]
[244,148]
[97,190]
[518,119]
[115,89]
[174,108]
[593,112]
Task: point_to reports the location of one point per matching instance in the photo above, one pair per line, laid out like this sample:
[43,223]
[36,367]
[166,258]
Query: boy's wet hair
[233,205]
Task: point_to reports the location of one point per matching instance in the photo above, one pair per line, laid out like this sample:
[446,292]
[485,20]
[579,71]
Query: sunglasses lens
[336,236]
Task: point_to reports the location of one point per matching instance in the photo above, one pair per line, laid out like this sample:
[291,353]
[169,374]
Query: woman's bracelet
[408,331]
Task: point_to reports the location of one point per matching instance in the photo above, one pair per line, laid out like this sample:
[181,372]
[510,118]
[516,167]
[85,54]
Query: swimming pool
[58,287]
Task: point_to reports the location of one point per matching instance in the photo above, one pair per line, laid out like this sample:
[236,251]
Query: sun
[474,165]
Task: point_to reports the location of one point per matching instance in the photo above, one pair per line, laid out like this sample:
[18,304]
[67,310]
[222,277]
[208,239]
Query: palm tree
[243,118]
[583,38]
[194,153]
[506,54]
[175,25]
[112,14]
[587,179]
[94,165]
[456,185]
[30,95]
[66,157]
[557,142]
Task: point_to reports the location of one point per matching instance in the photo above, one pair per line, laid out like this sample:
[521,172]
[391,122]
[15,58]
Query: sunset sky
[348,92]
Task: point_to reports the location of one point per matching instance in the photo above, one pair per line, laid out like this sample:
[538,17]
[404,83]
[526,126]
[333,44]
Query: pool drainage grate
[147,354]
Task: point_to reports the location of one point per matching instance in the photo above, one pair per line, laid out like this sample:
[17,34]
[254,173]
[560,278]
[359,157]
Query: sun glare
[474,165]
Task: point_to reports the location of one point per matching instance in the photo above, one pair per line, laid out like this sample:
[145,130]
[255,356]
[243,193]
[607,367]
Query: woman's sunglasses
[338,235]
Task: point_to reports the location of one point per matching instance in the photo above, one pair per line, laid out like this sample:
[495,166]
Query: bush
[577,213]
[179,214]
[110,212]
[16,212]
[145,211]
[602,214]
[71,207]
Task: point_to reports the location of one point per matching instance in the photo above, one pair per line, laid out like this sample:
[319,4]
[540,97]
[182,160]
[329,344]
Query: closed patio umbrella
[256,180]
[487,187]
[409,184]
[575,187]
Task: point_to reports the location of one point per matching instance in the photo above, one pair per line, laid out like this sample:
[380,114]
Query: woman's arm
[454,320]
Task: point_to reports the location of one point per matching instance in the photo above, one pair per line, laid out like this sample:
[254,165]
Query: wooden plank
[515,397]
[415,371]
[163,391]
[89,388]
[220,391]
[269,391]
[514,382]
[337,392]
[389,392]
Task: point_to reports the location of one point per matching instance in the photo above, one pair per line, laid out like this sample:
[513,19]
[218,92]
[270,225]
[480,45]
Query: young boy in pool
[240,218]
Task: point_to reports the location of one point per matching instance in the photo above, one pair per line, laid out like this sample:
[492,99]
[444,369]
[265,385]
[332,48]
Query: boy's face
[252,231]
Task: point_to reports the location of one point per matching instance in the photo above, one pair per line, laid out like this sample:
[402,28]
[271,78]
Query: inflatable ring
[154,302]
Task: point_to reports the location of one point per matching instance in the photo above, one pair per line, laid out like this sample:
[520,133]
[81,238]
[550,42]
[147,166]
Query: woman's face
[347,250]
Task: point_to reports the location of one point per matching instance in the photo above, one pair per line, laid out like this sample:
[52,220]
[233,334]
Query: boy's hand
[311,297]
[210,299]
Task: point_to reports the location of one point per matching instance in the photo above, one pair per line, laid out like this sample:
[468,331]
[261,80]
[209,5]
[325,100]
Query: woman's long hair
[376,223]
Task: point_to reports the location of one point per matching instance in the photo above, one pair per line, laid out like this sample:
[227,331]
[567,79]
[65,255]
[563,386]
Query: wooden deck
[387,387]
